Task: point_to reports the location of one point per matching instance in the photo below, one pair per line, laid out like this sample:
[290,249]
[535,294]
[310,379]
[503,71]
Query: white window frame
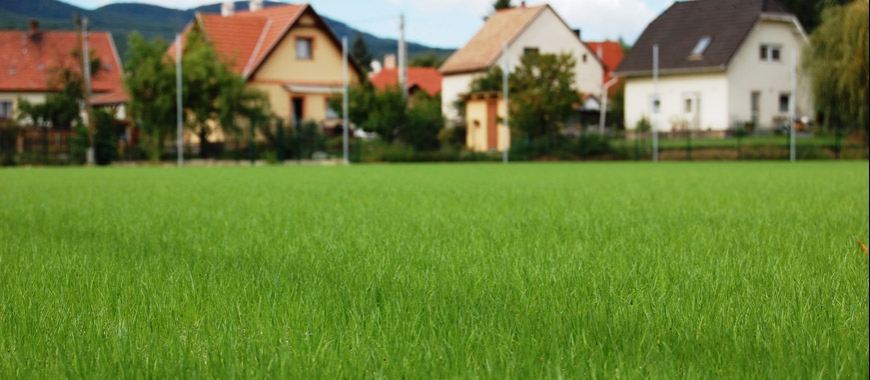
[766,52]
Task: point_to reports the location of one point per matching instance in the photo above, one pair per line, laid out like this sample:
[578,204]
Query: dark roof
[678,30]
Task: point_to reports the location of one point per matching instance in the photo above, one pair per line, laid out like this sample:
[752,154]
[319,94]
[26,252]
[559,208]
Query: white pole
[86,69]
[792,103]
[403,57]
[603,114]
[656,103]
[344,100]
[178,110]
[507,109]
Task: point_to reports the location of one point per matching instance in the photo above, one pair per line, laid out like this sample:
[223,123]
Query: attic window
[700,47]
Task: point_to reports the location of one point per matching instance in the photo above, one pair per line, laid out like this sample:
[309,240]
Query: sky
[451,23]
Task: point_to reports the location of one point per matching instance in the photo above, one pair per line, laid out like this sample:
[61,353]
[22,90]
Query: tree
[809,13]
[542,92]
[425,121]
[150,82]
[429,59]
[214,96]
[836,60]
[360,52]
[501,4]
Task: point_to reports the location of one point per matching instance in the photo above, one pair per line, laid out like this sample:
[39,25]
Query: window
[303,48]
[701,46]
[331,113]
[584,57]
[688,105]
[770,53]
[530,50]
[784,100]
[5,109]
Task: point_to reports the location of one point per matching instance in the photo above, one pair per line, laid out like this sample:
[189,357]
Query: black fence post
[280,126]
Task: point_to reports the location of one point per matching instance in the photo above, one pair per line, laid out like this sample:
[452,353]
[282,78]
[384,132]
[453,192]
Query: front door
[298,111]
[491,127]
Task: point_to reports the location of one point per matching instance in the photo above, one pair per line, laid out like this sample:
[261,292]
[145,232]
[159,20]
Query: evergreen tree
[360,53]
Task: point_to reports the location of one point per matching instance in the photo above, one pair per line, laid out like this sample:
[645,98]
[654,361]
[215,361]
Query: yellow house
[286,51]
[484,117]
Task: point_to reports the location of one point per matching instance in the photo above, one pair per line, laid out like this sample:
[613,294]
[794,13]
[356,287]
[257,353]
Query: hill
[153,21]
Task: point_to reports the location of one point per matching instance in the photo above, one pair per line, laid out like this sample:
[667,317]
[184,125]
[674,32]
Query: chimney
[522,5]
[228,8]
[255,5]
[390,62]
[577,32]
[34,27]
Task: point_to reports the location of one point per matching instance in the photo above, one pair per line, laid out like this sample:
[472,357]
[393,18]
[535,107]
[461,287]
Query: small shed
[484,117]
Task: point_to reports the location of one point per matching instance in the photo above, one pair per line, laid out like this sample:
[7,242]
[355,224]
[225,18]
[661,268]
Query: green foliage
[643,125]
[542,94]
[303,142]
[837,62]
[809,13]
[501,4]
[105,140]
[425,121]
[360,53]
[428,59]
[152,88]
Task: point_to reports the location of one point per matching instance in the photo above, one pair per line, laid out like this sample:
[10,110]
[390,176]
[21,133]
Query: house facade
[29,60]
[734,69]
[286,51]
[524,29]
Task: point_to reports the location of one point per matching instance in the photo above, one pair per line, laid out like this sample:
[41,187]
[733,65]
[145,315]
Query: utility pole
[178,112]
[344,100]
[86,69]
[403,57]
[507,108]
[792,104]
[656,103]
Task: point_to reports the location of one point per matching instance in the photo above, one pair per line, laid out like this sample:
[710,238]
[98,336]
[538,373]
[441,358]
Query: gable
[486,46]
[682,27]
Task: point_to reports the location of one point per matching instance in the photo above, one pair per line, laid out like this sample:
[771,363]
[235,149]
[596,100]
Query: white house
[722,63]
[524,29]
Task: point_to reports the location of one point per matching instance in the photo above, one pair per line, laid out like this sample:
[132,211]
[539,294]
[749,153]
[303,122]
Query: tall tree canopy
[360,52]
[837,63]
[809,12]
[150,82]
[501,4]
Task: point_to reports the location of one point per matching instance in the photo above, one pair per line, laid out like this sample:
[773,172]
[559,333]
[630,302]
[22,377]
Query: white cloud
[606,19]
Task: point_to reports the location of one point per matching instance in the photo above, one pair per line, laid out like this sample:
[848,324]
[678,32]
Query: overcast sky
[451,23]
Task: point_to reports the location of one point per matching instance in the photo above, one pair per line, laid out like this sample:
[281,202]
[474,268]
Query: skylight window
[701,46]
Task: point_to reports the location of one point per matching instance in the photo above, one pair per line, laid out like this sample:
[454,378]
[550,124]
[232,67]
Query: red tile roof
[27,61]
[611,55]
[246,38]
[426,78]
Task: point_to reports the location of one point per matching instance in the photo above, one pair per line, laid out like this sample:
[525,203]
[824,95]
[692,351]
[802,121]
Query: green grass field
[611,270]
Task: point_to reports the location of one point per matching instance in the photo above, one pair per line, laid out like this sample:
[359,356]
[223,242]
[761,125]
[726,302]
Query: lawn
[604,270]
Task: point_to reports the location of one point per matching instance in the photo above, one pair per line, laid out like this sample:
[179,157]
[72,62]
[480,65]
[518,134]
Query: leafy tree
[501,4]
[542,92]
[360,52]
[809,13]
[837,63]
[387,113]
[425,121]
[150,82]
[429,59]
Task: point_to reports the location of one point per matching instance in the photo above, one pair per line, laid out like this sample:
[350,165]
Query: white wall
[711,89]
[748,73]
[451,87]
[32,97]
[549,34]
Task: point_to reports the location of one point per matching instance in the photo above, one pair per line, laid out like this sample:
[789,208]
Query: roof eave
[690,70]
